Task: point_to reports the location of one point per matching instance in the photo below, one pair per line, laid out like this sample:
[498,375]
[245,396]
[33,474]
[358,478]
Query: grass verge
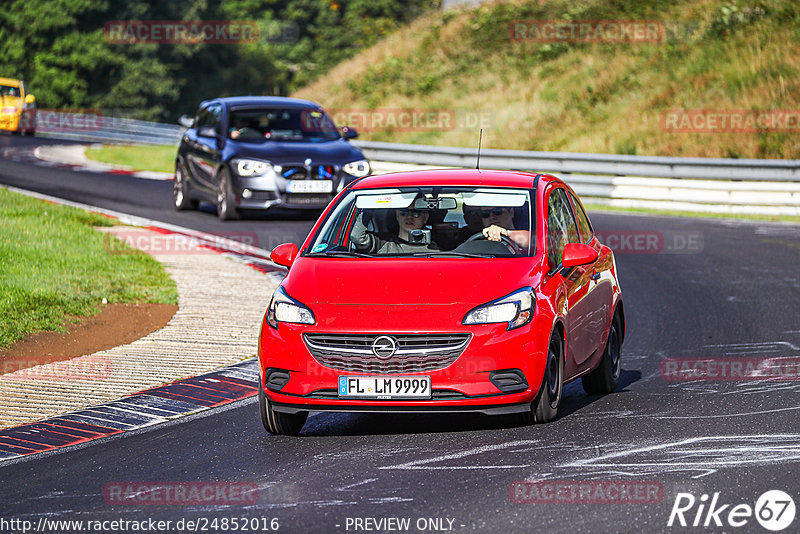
[55,267]
[160,158]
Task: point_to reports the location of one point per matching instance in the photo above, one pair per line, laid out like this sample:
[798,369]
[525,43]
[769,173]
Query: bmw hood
[337,152]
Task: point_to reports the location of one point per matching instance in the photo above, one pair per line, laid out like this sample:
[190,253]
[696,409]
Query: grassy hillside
[583,97]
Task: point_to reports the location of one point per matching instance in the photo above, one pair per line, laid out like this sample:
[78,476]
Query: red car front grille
[415,353]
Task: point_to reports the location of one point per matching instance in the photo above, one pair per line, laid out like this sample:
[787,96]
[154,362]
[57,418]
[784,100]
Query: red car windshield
[428,222]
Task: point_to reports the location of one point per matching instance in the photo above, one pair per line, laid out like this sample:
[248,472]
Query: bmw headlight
[284,309]
[251,167]
[515,309]
[359,169]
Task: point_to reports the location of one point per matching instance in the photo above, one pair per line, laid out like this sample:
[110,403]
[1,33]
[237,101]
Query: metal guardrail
[701,184]
[110,130]
[582,163]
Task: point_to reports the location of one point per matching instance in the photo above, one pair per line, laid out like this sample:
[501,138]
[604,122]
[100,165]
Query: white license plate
[309,186]
[385,387]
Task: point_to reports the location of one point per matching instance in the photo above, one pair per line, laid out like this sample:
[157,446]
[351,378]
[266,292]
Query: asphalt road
[711,289]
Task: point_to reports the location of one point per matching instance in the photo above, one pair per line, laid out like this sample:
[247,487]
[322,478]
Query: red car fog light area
[275,379]
[509,380]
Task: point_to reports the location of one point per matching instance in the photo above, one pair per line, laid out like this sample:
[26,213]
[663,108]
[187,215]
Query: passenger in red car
[408,220]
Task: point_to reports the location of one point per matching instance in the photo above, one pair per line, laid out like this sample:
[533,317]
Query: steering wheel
[513,247]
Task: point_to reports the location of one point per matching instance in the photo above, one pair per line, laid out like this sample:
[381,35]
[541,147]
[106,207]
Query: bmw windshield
[281,124]
[459,222]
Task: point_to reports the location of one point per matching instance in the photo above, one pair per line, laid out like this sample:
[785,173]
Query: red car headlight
[516,309]
[284,309]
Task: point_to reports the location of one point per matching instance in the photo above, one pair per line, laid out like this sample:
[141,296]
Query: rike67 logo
[774,510]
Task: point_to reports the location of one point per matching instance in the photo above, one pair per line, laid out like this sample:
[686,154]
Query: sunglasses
[493,211]
[411,213]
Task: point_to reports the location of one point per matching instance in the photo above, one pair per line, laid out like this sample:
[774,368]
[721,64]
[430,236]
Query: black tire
[226,208]
[180,191]
[279,423]
[605,378]
[545,407]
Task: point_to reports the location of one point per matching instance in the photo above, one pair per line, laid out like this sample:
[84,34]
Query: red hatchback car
[442,291]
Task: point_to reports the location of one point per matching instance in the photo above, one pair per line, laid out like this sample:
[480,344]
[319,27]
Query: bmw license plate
[385,387]
[309,186]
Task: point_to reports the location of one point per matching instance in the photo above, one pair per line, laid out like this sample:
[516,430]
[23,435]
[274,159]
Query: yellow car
[17,107]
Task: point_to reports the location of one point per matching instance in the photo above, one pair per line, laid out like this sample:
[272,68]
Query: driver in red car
[500,222]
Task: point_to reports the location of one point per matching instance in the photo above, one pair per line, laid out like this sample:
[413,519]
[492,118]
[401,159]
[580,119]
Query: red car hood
[410,282]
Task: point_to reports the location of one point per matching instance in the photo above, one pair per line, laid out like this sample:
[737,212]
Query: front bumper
[269,191]
[465,385]
[495,409]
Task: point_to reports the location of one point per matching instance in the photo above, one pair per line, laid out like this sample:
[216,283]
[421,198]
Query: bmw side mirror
[349,133]
[578,254]
[284,254]
[186,121]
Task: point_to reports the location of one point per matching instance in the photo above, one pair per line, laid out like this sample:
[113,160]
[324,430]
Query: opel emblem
[384,347]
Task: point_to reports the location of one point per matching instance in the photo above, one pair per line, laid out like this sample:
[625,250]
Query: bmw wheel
[180,191]
[226,210]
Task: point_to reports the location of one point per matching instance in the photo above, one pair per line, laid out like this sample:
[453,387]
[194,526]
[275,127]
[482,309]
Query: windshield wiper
[342,253]
[452,253]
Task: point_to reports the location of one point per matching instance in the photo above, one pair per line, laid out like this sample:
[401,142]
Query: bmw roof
[253,101]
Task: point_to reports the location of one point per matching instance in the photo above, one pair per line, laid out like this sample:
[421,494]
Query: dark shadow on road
[344,424]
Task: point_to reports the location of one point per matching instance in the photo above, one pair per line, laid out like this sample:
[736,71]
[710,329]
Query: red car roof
[453,177]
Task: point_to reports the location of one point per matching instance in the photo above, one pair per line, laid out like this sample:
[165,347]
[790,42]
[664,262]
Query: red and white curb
[73,158]
[140,410]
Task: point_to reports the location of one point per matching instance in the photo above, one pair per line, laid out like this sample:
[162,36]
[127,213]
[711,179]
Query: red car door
[562,229]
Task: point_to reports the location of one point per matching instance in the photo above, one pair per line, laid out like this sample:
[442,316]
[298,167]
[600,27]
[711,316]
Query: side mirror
[349,133]
[207,131]
[186,121]
[30,99]
[578,254]
[284,254]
